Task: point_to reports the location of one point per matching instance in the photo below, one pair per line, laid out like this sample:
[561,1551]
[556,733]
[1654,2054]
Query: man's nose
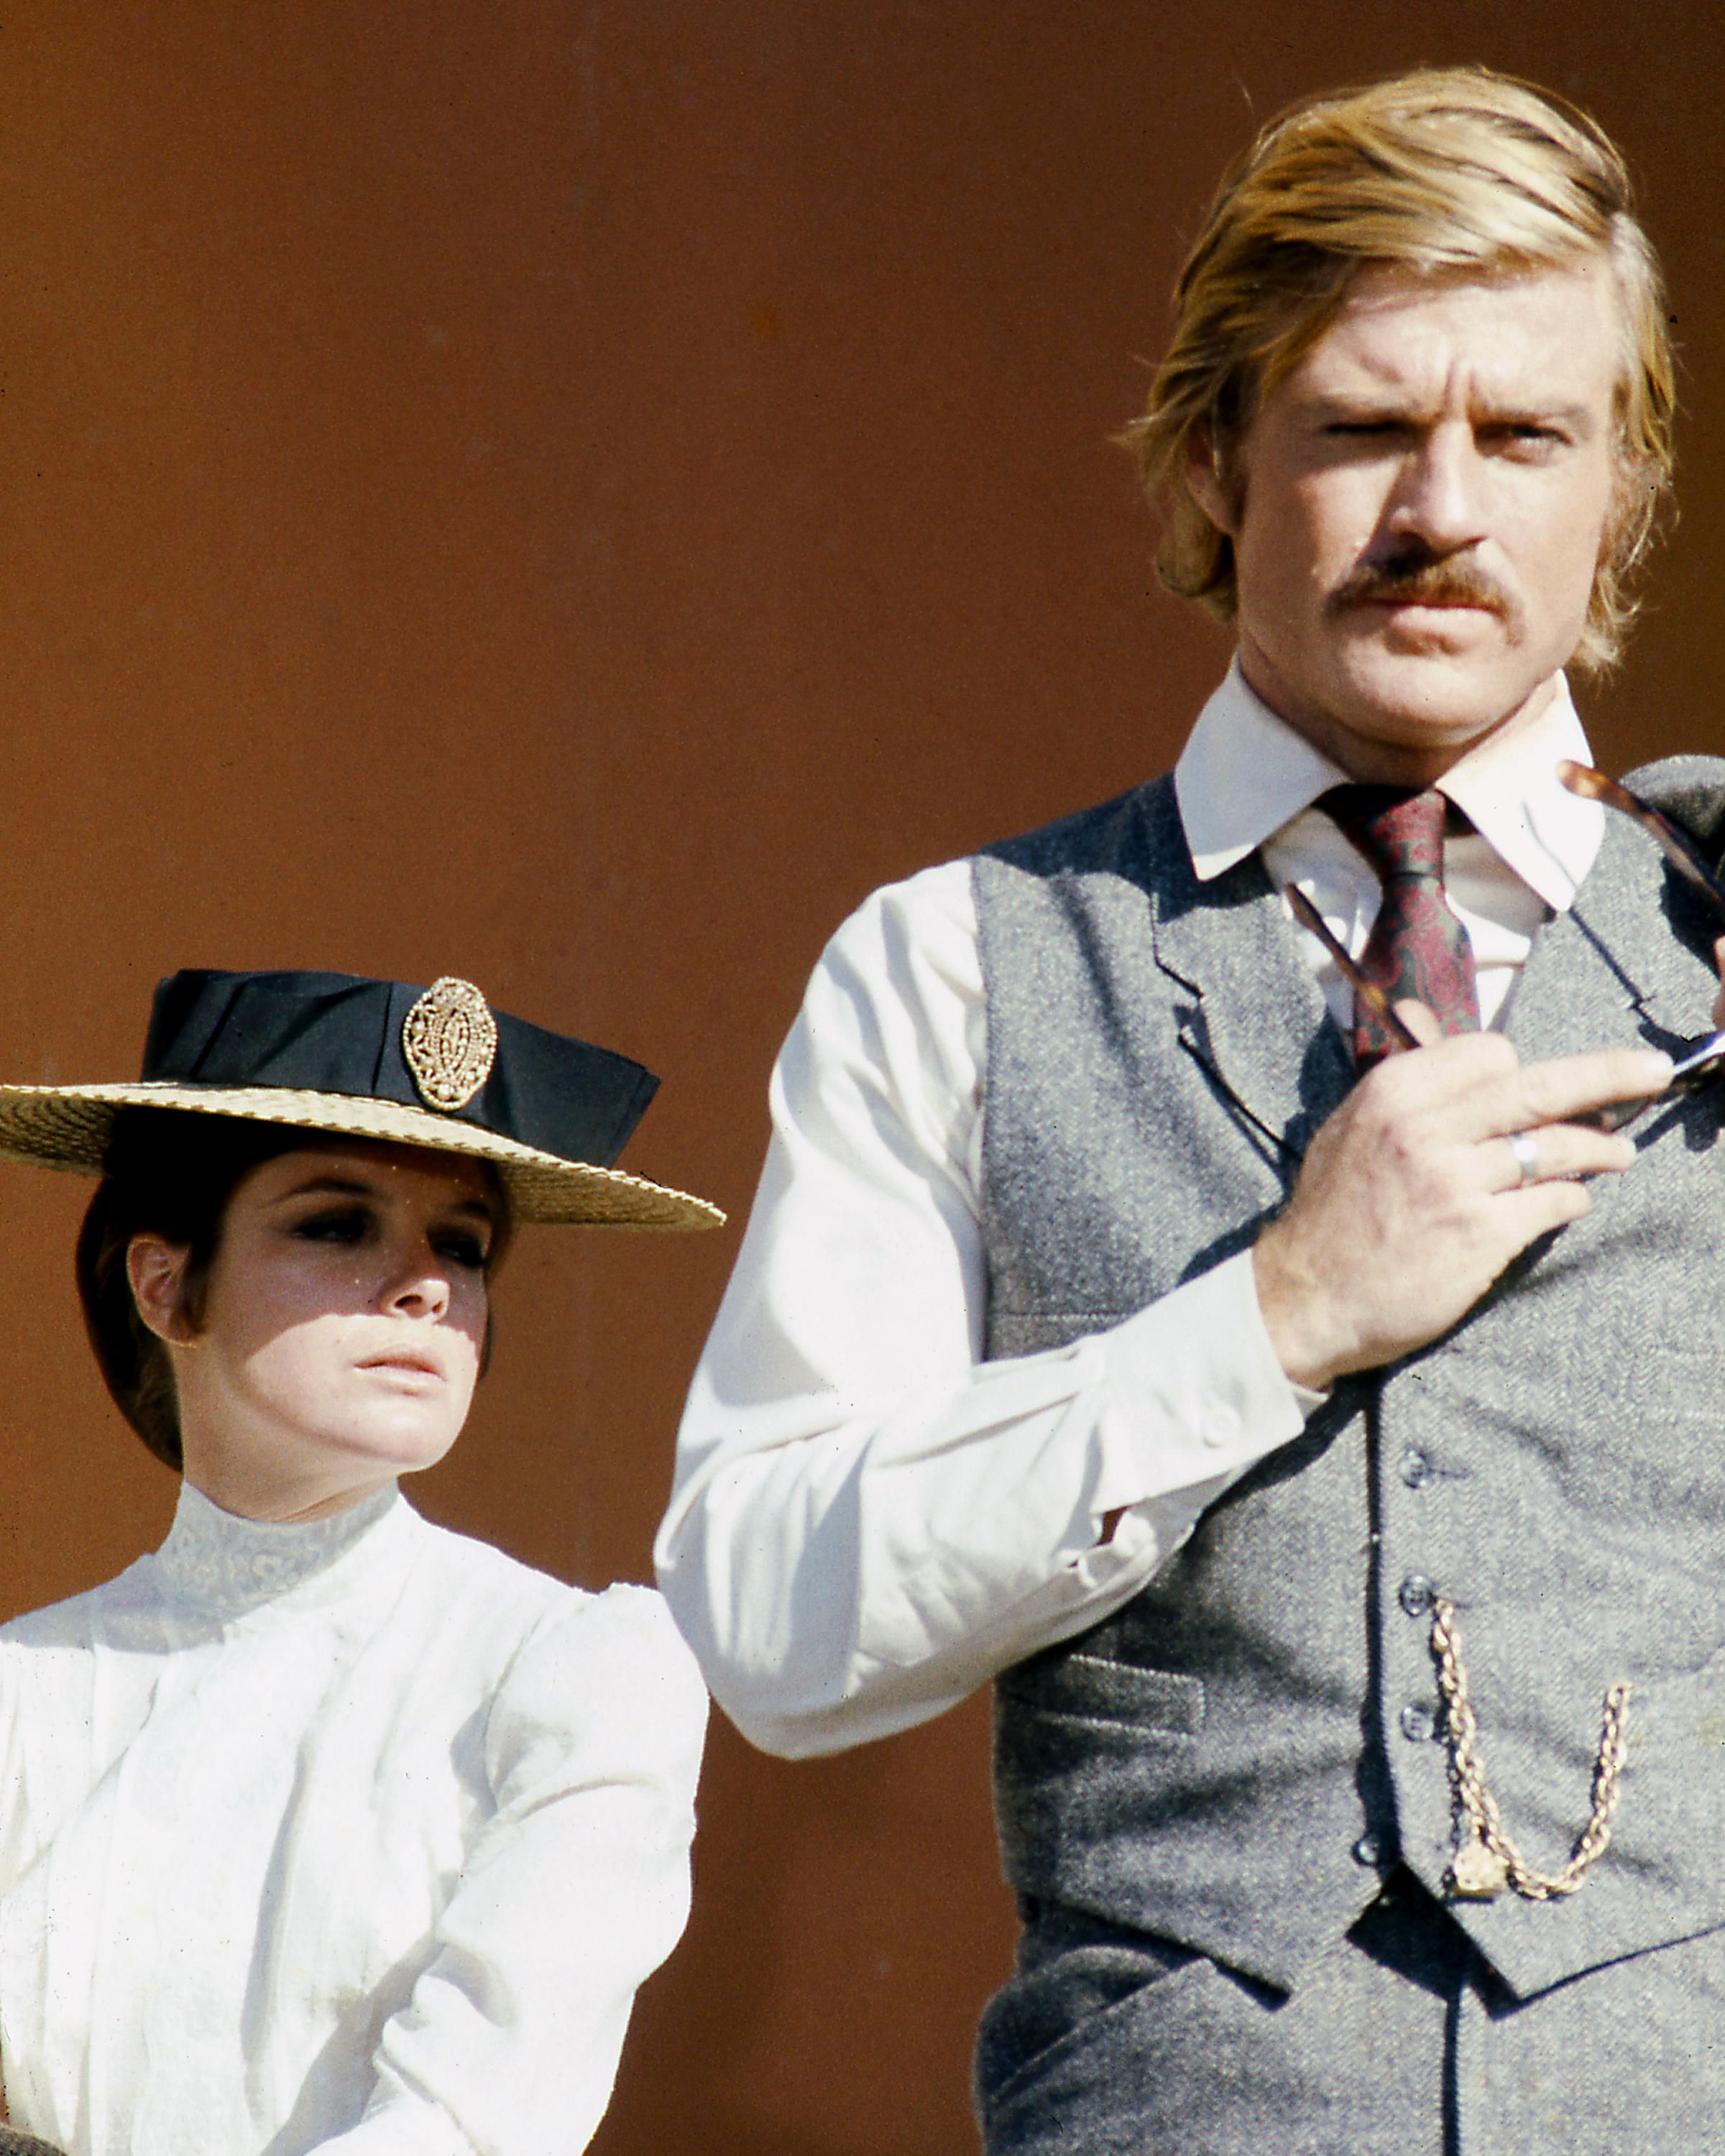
[1439,496]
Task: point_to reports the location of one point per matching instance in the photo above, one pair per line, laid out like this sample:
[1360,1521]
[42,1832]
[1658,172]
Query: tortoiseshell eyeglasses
[1702,1062]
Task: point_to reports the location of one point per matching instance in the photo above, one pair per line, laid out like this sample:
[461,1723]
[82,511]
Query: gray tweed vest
[1203,1764]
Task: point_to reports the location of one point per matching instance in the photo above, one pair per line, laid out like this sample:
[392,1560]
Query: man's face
[1419,510]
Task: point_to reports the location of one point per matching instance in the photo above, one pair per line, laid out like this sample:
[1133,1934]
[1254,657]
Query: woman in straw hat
[322,1828]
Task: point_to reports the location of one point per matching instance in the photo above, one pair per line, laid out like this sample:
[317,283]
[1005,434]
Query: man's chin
[1430,699]
[1400,716]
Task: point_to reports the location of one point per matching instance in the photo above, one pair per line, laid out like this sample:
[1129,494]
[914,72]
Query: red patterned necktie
[1417,946]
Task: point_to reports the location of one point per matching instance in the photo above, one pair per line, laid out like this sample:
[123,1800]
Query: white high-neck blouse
[353,1836]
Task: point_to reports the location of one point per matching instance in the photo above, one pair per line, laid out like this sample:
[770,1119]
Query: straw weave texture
[68,1127]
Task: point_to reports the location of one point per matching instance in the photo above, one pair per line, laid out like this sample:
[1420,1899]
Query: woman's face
[344,1319]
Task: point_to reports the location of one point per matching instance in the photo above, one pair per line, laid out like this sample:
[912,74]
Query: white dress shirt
[868,1520]
[353,1836]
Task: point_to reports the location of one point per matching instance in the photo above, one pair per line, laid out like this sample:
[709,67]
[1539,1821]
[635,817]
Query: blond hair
[1445,171]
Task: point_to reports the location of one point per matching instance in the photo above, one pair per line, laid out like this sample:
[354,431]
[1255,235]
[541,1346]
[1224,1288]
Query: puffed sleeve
[573,1893]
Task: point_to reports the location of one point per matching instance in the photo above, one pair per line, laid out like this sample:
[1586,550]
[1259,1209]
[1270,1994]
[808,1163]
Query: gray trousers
[1397,2042]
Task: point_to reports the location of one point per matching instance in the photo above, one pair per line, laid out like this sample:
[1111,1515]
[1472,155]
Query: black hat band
[440,1049]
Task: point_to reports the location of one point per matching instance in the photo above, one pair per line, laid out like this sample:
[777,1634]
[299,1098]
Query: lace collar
[225,1564]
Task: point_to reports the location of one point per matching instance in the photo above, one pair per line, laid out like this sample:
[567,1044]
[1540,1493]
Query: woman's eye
[345,1225]
[462,1248]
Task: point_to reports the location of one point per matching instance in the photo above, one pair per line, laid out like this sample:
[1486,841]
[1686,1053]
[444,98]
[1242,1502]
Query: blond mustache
[1426,583]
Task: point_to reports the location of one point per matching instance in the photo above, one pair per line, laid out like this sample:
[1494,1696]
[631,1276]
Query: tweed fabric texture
[1397,2041]
[1178,2053]
[1201,1767]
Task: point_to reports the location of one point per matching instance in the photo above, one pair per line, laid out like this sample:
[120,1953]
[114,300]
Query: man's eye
[1527,434]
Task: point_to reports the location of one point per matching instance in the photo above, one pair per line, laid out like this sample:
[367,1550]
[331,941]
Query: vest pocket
[1094,1688]
[1077,1979]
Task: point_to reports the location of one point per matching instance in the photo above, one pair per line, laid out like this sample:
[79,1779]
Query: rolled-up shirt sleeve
[573,1891]
[869,1520]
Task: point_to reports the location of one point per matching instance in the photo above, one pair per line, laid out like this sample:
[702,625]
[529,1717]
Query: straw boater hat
[431,1067]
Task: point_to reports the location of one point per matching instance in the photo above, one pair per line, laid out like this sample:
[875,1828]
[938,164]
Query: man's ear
[157,1270]
[1204,480]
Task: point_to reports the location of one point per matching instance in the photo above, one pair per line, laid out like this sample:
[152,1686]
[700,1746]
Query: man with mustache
[1315,1437]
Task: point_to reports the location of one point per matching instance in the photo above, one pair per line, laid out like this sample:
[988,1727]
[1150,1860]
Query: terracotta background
[574,496]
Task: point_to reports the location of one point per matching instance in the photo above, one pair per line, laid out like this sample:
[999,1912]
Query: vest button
[1416,1468]
[1417,1595]
[1368,1852]
[1418,1721]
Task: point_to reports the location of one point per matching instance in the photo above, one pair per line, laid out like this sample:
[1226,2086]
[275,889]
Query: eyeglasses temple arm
[1368,992]
[1595,786]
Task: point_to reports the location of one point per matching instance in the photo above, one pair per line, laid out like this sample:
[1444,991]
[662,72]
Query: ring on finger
[1525,1147]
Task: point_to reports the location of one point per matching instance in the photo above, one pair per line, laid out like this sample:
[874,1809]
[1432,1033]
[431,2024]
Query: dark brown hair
[170,1172]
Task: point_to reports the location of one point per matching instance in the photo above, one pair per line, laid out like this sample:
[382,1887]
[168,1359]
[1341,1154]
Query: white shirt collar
[1243,773]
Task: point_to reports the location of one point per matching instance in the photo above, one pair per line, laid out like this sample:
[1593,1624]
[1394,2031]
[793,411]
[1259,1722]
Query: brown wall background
[574,496]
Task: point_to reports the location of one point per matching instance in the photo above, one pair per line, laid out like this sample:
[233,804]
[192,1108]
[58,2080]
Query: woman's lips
[410,1364]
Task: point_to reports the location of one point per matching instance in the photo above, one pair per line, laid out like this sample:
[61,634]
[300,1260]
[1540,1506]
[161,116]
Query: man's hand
[1412,1200]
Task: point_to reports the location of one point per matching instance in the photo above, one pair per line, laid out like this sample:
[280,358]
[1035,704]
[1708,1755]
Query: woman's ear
[1204,482]
[157,1270]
